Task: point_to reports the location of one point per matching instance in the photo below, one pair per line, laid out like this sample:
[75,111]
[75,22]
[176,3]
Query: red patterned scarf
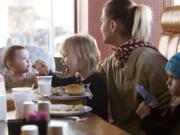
[123,52]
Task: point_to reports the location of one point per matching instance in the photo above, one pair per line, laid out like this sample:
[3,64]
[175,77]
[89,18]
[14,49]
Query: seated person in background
[81,55]
[16,60]
[168,122]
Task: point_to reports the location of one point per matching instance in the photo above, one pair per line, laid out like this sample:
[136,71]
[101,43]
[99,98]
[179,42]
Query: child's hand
[143,110]
[41,67]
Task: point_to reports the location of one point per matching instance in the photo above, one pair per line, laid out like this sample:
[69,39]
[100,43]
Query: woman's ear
[117,27]
[113,26]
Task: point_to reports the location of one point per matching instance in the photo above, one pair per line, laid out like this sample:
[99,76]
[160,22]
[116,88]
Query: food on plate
[78,107]
[75,89]
[67,108]
[58,91]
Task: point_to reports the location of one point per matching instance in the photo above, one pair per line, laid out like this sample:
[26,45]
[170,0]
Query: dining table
[87,124]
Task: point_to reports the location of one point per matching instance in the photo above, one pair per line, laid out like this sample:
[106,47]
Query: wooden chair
[169,42]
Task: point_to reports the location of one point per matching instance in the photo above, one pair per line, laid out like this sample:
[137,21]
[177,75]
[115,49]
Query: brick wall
[95,8]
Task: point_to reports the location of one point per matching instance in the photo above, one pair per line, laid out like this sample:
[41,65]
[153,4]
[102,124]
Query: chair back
[169,42]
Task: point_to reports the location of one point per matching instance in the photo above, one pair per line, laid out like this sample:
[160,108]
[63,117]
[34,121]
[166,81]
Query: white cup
[28,107]
[2,85]
[3,109]
[29,130]
[44,85]
[21,94]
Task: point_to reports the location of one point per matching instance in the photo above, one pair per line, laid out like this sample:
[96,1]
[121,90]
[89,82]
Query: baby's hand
[41,67]
[143,110]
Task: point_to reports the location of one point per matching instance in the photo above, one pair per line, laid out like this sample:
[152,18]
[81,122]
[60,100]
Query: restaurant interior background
[46,23]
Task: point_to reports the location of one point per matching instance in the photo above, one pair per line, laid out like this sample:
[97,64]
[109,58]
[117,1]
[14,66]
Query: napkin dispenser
[14,126]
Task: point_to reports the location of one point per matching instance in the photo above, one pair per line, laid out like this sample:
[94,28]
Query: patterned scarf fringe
[123,52]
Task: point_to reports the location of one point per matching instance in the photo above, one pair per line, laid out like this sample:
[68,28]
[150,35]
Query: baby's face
[173,84]
[21,62]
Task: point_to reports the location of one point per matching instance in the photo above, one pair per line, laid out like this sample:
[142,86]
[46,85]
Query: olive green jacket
[146,67]
[27,80]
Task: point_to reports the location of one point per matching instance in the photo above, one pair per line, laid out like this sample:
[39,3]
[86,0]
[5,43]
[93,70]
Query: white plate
[35,96]
[63,112]
[71,97]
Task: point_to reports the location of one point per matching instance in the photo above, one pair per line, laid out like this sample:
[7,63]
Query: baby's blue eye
[24,58]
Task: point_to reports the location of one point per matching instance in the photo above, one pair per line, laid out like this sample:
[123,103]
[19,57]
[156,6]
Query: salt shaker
[44,106]
[28,107]
[29,130]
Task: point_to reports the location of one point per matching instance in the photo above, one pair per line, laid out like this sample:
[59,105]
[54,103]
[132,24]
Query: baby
[17,62]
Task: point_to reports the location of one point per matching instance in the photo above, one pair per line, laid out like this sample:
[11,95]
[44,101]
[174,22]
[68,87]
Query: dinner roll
[75,89]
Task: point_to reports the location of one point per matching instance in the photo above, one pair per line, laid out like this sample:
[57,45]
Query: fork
[77,118]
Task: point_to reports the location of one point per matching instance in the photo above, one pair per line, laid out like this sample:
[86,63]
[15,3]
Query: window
[176,2]
[43,23]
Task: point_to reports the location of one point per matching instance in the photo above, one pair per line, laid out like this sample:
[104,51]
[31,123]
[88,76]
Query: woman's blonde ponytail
[141,29]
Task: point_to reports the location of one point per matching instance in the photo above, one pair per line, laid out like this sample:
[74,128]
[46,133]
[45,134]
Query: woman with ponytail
[135,62]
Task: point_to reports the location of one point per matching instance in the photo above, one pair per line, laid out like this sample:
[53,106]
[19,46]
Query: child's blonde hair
[86,49]
[9,53]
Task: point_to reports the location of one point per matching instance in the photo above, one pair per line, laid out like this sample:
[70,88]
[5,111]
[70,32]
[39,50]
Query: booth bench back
[169,42]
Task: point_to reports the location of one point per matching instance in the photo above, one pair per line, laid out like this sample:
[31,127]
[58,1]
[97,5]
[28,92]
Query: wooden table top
[93,125]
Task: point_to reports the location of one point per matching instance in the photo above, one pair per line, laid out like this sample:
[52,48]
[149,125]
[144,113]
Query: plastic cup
[3,105]
[44,85]
[21,94]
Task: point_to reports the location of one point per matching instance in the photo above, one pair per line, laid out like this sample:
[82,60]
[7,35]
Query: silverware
[77,118]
